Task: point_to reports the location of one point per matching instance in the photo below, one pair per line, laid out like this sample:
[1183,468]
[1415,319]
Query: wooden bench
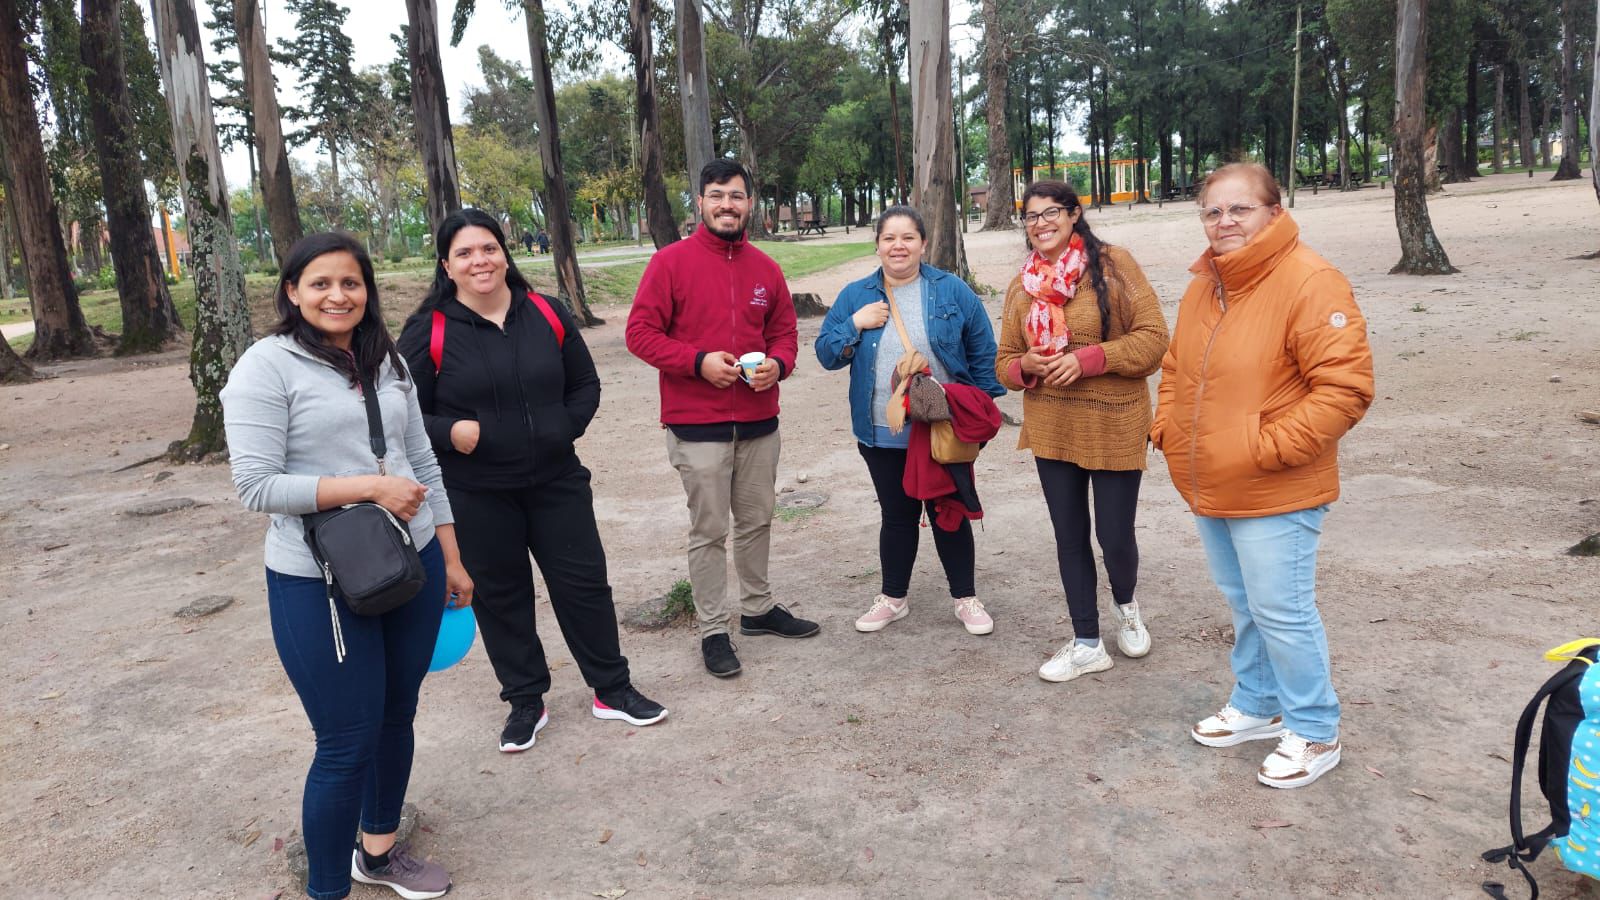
[812,226]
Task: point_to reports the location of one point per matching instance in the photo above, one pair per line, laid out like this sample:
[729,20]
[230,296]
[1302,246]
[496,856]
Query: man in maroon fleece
[703,303]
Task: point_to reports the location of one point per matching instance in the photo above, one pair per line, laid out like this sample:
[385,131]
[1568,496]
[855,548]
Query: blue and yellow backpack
[1569,769]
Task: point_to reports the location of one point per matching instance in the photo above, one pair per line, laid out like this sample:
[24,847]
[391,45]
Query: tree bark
[149,319]
[430,112]
[1469,143]
[6,290]
[1450,147]
[1000,208]
[222,317]
[658,212]
[1497,139]
[694,90]
[13,368]
[932,134]
[1568,168]
[1420,252]
[277,182]
[1524,119]
[59,328]
[569,280]
[1594,110]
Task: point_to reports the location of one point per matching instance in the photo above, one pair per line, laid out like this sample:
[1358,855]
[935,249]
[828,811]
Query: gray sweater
[292,419]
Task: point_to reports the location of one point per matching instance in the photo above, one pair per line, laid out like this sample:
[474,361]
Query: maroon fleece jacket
[704,295]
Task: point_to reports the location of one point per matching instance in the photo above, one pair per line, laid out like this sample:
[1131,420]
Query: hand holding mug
[720,367]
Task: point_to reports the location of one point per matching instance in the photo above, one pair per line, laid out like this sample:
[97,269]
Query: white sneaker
[1230,726]
[1075,659]
[1297,762]
[1132,638]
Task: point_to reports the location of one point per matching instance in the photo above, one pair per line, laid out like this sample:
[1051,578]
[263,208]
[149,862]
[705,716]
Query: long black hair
[1067,198]
[443,288]
[370,345]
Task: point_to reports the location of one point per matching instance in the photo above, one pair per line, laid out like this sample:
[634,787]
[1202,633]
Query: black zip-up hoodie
[530,396]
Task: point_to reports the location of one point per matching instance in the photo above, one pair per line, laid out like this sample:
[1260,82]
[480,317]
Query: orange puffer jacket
[1268,367]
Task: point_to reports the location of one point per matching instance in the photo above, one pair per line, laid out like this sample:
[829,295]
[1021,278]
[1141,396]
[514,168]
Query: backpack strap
[436,342]
[436,336]
[550,316]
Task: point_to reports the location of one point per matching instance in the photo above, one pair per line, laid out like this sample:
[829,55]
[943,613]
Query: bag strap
[369,396]
[436,333]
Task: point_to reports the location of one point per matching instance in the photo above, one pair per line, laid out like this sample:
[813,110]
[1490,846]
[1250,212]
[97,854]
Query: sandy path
[142,753]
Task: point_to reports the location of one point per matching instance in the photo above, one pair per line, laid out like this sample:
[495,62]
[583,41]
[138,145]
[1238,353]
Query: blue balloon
[456,632]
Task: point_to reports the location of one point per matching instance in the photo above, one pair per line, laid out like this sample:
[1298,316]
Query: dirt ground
[145,755]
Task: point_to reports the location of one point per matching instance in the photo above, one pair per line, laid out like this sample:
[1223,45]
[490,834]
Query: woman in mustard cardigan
[1081,332]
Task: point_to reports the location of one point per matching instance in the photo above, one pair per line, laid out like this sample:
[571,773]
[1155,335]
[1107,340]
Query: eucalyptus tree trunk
[430,111]
[933,134]
[1420,252]
[1594,110]
[1568,168]
[1497,157]
[569,280]
[658,212]
[277,182]
[1524,119]
[13,368]
[999,209]
[59,330]
[222,326]
[694,90]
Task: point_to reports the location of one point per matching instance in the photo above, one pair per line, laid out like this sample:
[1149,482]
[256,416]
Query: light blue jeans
[1267,568]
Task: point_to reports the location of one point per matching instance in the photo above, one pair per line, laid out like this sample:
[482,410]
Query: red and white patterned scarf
[1051,285]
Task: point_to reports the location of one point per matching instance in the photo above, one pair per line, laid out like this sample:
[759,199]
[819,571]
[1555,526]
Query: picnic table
[812,225]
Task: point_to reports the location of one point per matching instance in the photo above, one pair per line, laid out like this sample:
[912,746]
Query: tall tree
[321,51]
[59,328]
[1594,111]
[1571,94]
[277,181]
[694,91]
[430,111]
[569,280]
[663,227]
[149,319]
[932,134]
[1420,251]
[222,329]
[1000,205]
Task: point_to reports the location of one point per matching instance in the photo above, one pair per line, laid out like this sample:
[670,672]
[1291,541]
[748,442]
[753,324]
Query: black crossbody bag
[361,548]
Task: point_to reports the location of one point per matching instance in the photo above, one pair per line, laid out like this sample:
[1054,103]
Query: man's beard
[727,235]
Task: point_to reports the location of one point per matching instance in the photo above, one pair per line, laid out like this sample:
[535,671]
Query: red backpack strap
[436,342]
[549,316]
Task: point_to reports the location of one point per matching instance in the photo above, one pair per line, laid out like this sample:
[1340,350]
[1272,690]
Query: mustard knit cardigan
[1099,421]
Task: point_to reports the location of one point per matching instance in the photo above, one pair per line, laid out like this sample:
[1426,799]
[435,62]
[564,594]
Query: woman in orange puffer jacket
[1268,367]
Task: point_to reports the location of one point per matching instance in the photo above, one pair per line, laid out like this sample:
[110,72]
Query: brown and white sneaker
[1230,726]
[1297,762]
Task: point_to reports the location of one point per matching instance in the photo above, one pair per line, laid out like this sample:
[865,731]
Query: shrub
[680,600]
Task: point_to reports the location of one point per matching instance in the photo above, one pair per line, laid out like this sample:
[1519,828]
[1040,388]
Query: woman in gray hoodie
[298,443]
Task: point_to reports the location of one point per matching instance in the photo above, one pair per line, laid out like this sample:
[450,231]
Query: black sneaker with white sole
[628,705]
[522,726]
[779,621]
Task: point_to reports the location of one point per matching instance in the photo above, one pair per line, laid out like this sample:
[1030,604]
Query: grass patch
[788,514]
[1523,335]
[680,601]
[1418,307]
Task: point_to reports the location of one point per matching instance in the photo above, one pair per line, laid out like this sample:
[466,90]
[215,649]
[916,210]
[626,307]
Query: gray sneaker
[411,878]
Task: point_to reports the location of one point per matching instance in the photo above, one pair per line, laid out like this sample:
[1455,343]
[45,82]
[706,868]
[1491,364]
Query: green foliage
[679,601]
[321,52]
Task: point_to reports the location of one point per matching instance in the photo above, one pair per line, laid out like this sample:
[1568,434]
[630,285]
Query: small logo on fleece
[1338,320]
[760,297]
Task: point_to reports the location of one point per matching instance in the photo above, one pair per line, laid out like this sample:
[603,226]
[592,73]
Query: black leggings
[898,534]
[1116,498]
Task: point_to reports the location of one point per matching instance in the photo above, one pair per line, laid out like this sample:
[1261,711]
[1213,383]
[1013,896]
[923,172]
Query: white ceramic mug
[748,364]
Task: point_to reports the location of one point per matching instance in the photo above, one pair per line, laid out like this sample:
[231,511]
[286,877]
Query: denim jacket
[957,325]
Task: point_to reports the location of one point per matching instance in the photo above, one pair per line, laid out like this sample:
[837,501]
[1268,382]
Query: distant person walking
[948,325]
[704,305]
[1269,367]
[298,443]
[544,242]
[1081,333]
[527,241]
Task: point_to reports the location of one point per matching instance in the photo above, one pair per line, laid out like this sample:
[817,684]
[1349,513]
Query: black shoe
[778,621]
[719,655]
[628,705]
[522,726]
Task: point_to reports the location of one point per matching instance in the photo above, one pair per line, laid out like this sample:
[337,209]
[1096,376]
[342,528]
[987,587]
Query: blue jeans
[1267,568]
[361,709]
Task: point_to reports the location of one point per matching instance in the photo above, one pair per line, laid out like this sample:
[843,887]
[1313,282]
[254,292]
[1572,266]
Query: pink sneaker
[972,614]
[884,609]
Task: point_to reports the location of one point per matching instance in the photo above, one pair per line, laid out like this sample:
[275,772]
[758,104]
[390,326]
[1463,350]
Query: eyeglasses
[735,197]
[1049,214]
[1211,215]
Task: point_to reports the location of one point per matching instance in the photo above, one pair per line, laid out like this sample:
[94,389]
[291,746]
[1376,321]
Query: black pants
[497,529]
[1116,498]
[899,533]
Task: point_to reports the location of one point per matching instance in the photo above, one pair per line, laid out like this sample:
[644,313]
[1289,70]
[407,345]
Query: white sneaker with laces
[884,609]
[1297,762]
[1230,726]
[1075,659]
[1132,637]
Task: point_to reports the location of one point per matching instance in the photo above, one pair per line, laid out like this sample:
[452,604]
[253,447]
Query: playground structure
[1124,178]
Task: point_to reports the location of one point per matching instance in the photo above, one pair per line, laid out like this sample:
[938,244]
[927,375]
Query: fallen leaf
[605,835]
[1500,756]
[775,718]
[50,696]
[427,828]
[1272,823]
[1093,778]
[250,838]
[869,854]
[1377,620]
[1374,771]
[277,845]
[640,860]
[579,760]
[1494,663]
[1423,794]
[613,894]
[1360,702]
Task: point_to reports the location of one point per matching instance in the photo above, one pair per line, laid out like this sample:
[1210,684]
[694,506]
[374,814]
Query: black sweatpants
[554,520]
[1116,498]
[899,533]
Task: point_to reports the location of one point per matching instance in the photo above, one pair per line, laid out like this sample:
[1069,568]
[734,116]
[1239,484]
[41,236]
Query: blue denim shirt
[957,325]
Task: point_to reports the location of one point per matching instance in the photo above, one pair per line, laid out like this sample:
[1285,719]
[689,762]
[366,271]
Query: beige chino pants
[719,478]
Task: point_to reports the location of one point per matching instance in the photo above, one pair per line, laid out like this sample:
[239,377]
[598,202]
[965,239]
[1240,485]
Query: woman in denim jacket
[946,321]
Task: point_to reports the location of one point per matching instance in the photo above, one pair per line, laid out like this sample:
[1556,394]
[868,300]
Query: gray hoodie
[292,419]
